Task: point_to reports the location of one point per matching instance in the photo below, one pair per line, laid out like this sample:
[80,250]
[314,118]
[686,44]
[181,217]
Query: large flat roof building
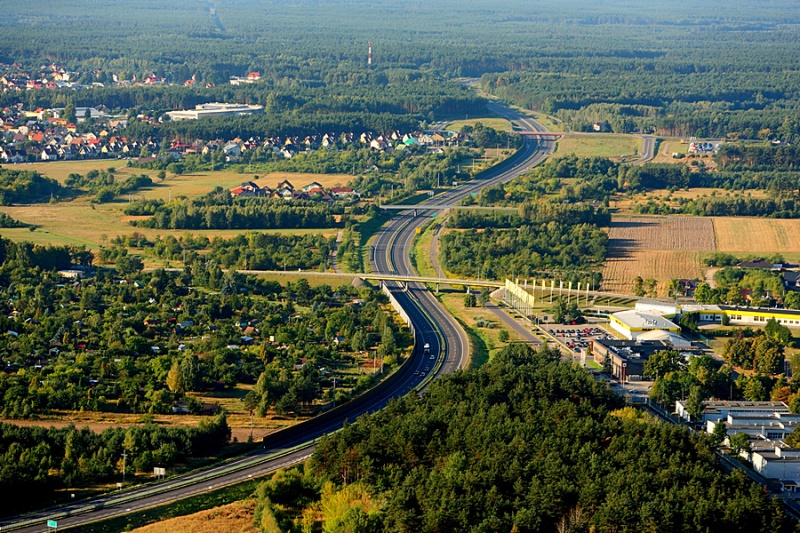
[216,109]
[631,324]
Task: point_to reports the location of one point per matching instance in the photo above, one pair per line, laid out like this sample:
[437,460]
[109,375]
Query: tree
[793,439]
[483,296]
[503,335]
[703,293]
[470,300]
[175,379]
[650,287]
[778,332]
[69,113]
[740,443]
[719,434]
[661,363]
[694,403]
[638,286]
[792,300]
[754,390]
[607,368]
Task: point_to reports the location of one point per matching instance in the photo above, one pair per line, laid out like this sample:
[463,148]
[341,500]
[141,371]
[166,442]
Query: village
[48,135]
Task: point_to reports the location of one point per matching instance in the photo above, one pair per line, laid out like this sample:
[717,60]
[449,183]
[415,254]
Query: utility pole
[124,457]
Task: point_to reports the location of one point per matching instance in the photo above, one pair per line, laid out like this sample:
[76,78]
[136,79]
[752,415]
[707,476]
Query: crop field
[599,145]
[662,233]
[757,235]
[662,265]
[661,248]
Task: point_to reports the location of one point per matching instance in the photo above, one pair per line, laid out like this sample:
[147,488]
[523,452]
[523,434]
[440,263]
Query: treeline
[27,187]
[218,210]
[474,454]
[248,251]
[735,156]
[35,462]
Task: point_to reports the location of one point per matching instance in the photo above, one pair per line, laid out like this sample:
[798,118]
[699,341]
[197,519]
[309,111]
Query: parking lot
[576,337]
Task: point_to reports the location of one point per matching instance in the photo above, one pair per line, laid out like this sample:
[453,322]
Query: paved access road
[391,252]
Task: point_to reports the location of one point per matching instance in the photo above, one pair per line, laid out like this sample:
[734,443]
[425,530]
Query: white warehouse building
[216,109]
[632,324]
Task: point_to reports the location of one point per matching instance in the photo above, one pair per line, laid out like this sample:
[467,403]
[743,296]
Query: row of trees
[218,210]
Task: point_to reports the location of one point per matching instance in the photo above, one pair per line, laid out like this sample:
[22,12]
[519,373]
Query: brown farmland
[661,248]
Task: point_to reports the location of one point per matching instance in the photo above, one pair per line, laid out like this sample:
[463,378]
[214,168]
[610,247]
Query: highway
[295,444]
[392,247]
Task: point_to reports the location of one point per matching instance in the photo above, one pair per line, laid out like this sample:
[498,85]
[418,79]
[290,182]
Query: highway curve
[295,444]
[392,247]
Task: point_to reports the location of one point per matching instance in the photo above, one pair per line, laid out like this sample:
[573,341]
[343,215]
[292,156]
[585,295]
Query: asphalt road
[390,253]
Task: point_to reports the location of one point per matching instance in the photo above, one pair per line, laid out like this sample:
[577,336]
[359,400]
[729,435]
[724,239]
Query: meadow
[599,145]
[83,223]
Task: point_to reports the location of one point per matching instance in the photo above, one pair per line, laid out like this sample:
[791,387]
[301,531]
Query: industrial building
[627,357]
[631,324]
[216,109]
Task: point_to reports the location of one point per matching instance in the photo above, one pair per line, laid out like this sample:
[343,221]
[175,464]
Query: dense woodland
[21,186]
[526,443]
[699,71]
[542,239]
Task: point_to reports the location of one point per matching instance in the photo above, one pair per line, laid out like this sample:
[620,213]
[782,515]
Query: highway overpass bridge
[442,207]
[469,283]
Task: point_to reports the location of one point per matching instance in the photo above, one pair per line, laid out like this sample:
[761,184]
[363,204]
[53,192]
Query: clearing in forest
[661,248]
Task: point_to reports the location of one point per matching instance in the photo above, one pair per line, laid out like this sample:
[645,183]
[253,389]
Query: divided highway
[433,325]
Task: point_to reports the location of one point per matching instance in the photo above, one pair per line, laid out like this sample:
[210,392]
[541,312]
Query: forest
[526,443]
[703,71]
[543,238]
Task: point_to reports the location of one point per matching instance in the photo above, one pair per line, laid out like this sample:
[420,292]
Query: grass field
[757,235]
[599,145]
[661,248]
[499,124]
[189,185]
[78,223]
[236,517]
[197,184]
[669,147]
